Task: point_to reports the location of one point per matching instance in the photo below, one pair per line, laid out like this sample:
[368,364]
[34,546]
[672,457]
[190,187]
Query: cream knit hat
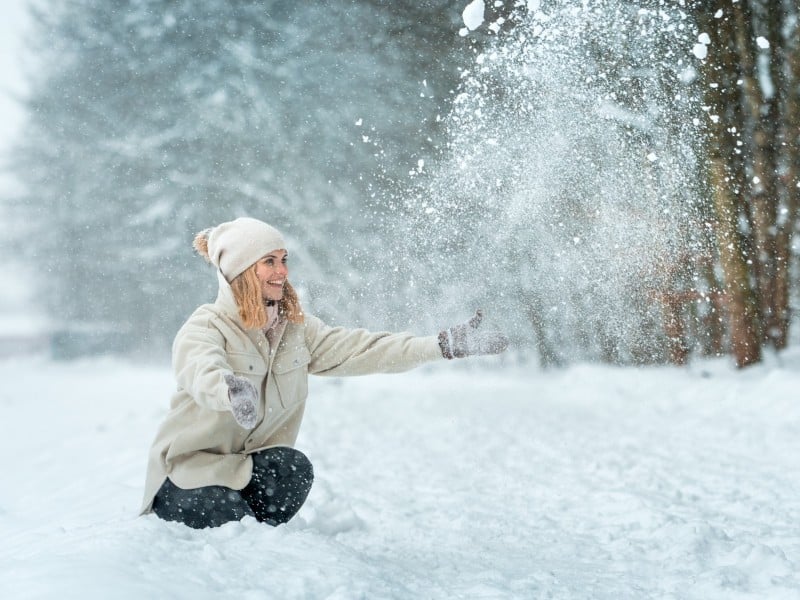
[235,245]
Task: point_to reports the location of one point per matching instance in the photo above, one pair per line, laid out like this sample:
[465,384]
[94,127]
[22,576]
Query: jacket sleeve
[200,363]
[338,351]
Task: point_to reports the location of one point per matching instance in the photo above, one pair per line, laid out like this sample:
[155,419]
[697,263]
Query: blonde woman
[225,449]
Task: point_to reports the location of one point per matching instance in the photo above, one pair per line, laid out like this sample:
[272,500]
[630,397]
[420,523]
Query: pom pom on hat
[200,243]
[235,245]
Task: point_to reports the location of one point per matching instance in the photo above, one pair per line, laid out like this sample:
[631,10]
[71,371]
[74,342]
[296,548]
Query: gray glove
[465,339]
[243,397]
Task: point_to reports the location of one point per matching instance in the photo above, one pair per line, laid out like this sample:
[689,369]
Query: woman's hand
[466,340]
[243,397]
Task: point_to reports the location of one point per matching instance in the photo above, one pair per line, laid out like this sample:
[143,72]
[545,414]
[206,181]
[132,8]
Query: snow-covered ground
[449,482]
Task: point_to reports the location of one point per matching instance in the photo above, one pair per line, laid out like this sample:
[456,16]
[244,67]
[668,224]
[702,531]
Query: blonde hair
[247,292]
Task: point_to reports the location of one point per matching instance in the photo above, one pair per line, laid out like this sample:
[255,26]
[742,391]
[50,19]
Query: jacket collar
[225,300]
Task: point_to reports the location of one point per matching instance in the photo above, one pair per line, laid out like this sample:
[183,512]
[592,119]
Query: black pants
[281,480]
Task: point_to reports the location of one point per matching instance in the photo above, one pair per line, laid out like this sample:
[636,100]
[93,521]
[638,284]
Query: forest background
[611,181]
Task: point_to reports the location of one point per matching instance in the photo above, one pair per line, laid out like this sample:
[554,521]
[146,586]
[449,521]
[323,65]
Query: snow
[700,49]
[473,14]
[458,480]
[764,75]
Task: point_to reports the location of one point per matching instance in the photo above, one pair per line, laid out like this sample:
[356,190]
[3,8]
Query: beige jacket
[199,443]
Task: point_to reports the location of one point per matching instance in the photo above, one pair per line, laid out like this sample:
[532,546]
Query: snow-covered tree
[151,120]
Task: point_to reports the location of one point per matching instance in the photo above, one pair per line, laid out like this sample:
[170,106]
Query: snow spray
[563,200]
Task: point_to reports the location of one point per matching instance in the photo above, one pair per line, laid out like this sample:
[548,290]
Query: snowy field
[448,482]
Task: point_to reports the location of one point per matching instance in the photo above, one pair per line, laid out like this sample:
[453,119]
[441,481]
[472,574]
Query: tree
[750,78]
[152,120]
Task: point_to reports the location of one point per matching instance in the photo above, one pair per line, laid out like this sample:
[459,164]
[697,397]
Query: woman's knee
[209,506]
[281,481]
[283,461]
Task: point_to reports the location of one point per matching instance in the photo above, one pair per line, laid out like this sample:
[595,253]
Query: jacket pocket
[290,370]
[248,365]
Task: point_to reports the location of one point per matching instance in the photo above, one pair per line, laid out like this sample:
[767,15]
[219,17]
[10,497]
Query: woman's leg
[209,506]
[281,480]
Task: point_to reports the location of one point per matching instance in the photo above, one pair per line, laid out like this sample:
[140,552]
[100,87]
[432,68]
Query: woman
[225,450]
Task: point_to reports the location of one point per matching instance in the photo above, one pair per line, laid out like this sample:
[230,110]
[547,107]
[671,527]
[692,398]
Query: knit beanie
[236,245]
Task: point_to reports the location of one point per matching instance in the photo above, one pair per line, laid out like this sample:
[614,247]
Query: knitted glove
[243,397]
[465,339]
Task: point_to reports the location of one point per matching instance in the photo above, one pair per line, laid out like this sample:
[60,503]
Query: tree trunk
[760,119]
[788,54]
[726,181]
[741,305]
[548,356]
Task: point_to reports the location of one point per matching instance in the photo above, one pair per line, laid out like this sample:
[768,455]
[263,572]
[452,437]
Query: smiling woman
[242,363]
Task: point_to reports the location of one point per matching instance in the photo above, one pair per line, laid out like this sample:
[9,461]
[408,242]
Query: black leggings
[281,480]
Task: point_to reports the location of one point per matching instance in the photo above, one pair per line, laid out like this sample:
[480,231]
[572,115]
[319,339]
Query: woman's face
[272,272]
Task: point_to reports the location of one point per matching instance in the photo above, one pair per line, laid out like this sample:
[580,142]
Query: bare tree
[751,92]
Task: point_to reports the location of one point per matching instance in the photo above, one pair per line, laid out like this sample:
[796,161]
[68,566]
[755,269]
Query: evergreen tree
[151,120]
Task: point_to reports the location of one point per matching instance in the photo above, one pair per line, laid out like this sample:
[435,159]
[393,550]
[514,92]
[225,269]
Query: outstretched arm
[338,351]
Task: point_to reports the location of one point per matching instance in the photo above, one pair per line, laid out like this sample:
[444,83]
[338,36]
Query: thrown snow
[448,482]
[700,49]
[473,14]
